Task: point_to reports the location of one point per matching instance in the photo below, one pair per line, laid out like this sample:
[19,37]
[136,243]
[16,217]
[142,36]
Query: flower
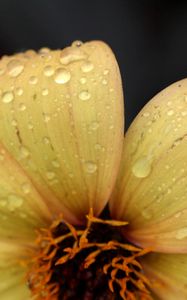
[63,156]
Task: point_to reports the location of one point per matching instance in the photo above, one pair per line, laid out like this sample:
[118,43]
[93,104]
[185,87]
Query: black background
[149,38]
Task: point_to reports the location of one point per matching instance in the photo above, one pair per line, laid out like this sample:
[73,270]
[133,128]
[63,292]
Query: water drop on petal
[141,167]
[62,76]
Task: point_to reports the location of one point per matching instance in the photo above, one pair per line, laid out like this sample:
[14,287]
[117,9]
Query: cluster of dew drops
[61,75]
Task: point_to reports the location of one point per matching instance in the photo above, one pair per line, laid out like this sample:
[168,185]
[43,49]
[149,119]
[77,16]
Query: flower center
[91,263]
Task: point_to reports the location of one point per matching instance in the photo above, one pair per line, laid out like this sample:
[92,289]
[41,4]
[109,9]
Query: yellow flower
[61,162]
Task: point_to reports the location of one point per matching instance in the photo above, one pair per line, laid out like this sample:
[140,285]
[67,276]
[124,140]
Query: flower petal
[59,112]
[22,209]
[168,274]
[151,190]
[12,274]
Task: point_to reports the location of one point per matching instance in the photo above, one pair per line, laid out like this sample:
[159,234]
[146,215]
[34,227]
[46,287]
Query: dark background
[149,37]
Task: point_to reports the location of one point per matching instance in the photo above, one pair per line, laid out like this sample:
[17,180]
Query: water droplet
[14,122]
[45,92]
[46,117]
[142,167]
[84,95]
[25,187]
[104,82]
[146,114]
[33,80]
[14,202]
[22,107]
[46,140]
[90,167]
[70,55]
[77,43]
[83,80]
[15,68]
[24,152]
[105,72]
[147,214]
[48,71]
[19,91]
[94,126]
[87,67]
[170,112]
[181,233]
[30,126]
[7,97]
[62,76]
[55,164]
[50,175]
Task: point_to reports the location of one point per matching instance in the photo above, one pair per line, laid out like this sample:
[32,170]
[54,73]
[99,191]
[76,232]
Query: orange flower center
[92,263]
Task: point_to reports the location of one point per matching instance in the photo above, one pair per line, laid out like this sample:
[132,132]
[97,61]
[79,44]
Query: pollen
[93,262]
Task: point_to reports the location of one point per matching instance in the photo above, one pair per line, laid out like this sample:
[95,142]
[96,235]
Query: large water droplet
[15,68]
[22,107]
[82,80]
[142,167]
[62,76]
[87,66]
[181,233]
[84,95]
[70,55]
[90,167]
[170,112]
[7,97]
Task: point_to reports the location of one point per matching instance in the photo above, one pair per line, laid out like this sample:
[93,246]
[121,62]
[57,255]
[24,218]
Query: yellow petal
[12,274]
[22,209]
[151,190]
[168,274]
[61,118]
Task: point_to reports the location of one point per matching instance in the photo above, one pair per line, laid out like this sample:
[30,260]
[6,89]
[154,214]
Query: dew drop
[22,107]
[19,91]
[24,152]
[48,71]
[45,92]
[55,164]
[7,97]
[72,54]
[104,82]
[90,167]
[14,123]
[170,112]
[146,114]
[87,66]
[62,76]
[15,68]
[77,43]
[94,126]
[33,80]
[46,140]
[47,118]
[84,95]
[14,202]
[181,233]
[83,80]
[50,175]
[25,187]
[141,168]
[105,72]
[146,214]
